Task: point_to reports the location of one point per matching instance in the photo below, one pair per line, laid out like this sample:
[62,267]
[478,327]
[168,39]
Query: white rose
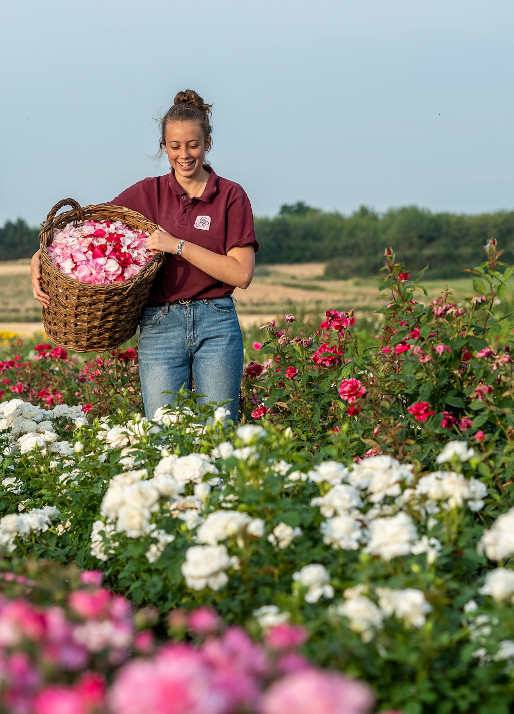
[283,535]
[255,527]
[316,579]
[165,466]
[115,437]
[192,468]
[141,495]
[342,532]
[133,521]
[220,525]
[339,500]
[223,450]
[330,472]
[365,617]
[498,542]
[250,433]
[408,605]
[392,537]
[205,566]
[383,469]
[455,450]
[499,584]
[431,546]
[270,616]
[113,500]
[220,414]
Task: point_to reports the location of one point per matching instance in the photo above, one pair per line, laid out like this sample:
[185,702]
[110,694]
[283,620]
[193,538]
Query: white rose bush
[363,516]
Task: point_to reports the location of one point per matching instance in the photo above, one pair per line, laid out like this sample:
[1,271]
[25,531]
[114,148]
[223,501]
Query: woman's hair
[188,106]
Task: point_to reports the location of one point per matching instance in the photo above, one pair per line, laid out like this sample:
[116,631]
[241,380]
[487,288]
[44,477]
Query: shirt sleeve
[240,226]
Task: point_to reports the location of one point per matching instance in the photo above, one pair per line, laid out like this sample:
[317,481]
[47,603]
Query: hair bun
[193,99]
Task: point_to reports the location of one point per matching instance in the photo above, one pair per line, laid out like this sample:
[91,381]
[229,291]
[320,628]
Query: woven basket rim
[115,287]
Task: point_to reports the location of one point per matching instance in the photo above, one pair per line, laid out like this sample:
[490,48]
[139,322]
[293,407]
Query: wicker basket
[85,317]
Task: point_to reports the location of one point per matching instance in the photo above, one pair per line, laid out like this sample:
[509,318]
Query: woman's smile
[185,146]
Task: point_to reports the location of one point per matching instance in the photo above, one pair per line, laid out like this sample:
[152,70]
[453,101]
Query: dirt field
[275,290]
[15,267]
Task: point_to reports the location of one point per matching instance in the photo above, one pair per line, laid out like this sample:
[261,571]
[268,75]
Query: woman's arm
[235,268]
[35,273]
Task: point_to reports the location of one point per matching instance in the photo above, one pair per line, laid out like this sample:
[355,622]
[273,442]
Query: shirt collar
[209,191]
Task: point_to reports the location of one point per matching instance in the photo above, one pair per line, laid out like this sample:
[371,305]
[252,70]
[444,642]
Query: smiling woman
[189,333]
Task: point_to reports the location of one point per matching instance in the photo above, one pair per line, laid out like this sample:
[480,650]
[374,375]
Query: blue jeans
[196,342]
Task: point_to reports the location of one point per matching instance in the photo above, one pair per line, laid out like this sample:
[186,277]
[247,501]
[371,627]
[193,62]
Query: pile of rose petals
[99,253]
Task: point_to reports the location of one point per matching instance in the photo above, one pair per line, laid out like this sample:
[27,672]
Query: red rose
[420,411]
[260,412]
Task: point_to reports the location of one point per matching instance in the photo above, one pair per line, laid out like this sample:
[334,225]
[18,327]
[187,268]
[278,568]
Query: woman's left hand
[161,240]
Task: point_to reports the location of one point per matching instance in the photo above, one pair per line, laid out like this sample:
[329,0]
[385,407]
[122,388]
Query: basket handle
[48,225]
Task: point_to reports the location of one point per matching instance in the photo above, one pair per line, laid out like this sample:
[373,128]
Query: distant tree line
[351,245]
[354,245]
[18,240]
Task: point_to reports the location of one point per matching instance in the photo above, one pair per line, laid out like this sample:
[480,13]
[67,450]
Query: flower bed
[89,652]
[369,501]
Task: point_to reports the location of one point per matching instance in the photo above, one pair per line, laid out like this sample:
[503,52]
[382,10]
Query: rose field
[348,548]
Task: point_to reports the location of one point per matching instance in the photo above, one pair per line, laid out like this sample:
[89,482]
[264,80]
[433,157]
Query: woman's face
[185,146]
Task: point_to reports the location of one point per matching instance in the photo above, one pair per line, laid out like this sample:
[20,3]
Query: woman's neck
[194,186]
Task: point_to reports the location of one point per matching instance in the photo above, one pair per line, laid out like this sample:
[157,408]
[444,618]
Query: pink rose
[351,389]
[317,692]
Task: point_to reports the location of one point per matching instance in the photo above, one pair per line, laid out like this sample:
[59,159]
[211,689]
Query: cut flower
[99,253]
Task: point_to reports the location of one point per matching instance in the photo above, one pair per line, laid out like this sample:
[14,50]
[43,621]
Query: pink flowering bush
[79,651]
[99,253]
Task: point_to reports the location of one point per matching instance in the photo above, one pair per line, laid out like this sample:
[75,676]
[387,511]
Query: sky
[337,103]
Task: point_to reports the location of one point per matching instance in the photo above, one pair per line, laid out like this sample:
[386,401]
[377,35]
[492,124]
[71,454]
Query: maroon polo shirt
[220,219]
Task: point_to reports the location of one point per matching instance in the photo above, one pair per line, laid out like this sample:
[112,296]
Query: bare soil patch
[15,267]
[23,329]
[305,271]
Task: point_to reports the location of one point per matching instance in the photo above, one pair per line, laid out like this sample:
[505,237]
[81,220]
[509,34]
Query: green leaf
[479,420]
[425,391]
[479,286]
[454,401]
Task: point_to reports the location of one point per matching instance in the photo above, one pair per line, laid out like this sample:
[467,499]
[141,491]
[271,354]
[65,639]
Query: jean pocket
[224,304]
[152,316]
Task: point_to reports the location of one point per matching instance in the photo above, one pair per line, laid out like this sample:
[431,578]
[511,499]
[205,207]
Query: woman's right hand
[35,272]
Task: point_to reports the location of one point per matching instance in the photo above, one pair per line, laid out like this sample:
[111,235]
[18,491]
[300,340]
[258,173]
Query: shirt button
[184,211]
[183,198]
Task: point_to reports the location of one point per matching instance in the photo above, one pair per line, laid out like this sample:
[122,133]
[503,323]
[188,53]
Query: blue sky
[338,103]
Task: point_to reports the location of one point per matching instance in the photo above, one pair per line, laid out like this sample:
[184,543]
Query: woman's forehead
[189,130]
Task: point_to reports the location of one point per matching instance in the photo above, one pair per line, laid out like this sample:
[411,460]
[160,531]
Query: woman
[189,332]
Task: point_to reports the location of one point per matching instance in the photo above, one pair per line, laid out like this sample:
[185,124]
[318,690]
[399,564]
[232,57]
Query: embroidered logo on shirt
[203,222]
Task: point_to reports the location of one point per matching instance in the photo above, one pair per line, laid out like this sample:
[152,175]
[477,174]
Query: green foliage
[18,240]
[418,424]
[352,245]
